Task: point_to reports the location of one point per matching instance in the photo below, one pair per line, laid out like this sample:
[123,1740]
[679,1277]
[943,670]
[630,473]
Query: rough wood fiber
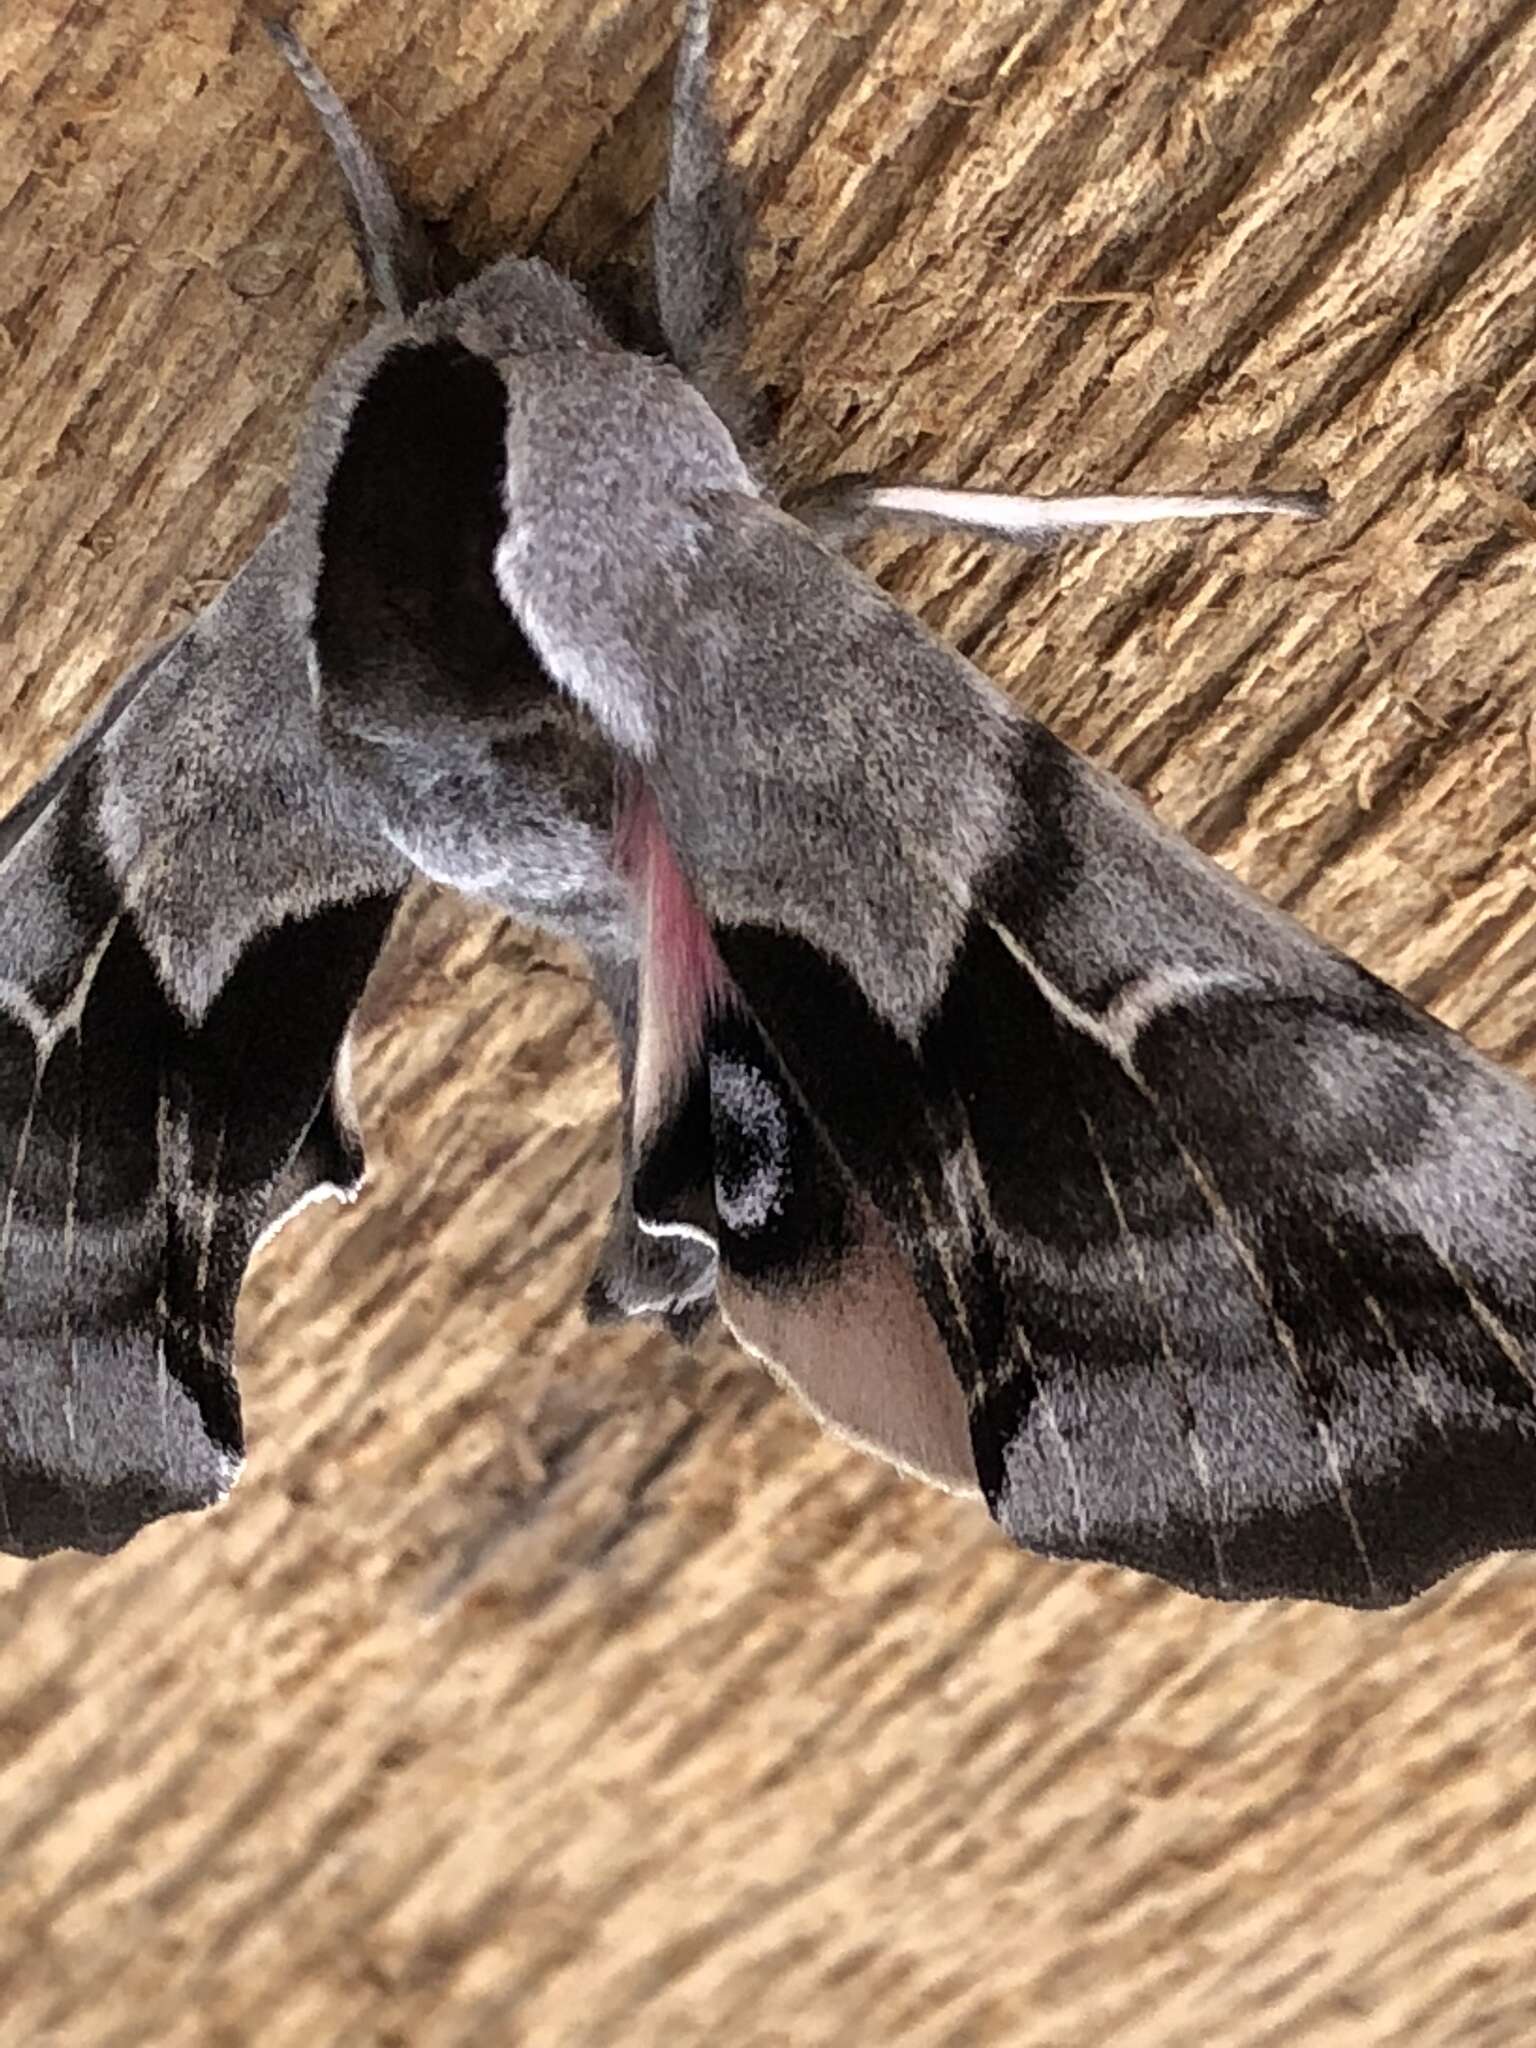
[540,1687]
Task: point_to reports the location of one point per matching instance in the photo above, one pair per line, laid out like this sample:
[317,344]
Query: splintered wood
[547,1686]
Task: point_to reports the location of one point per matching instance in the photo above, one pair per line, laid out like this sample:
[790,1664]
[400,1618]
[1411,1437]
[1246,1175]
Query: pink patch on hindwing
[682,976]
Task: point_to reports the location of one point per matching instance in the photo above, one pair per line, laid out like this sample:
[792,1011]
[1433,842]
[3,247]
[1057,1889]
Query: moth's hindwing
[1234,1261]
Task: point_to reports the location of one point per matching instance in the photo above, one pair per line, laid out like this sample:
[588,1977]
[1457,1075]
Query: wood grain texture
[547,1687]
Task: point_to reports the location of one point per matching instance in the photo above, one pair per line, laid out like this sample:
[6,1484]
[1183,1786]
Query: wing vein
[1114,1042]
[1199,1458]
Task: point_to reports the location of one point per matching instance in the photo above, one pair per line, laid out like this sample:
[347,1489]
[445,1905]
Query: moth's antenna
[699,237]
[390,243]
[847,508]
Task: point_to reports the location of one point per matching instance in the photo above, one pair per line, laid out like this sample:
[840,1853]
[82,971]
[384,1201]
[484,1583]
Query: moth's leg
[391,244]
[699,238]
[849,508]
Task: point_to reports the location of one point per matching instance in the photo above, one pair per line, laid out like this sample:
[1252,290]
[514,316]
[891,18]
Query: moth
[1033,1151]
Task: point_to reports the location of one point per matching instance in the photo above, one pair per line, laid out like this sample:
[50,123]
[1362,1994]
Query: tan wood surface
[547,1687]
